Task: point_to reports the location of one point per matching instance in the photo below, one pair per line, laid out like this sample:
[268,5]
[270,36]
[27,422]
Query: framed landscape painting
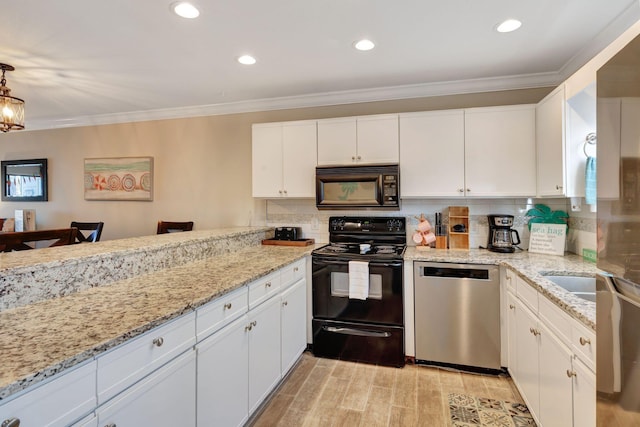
[118,178]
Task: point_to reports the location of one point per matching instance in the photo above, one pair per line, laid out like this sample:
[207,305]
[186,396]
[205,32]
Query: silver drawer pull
[571,373]
[11,422]
[227,306]
[158,342]
[295,268]
[584,341]
[284,303]
[511,306]
[248,327]
[268,284]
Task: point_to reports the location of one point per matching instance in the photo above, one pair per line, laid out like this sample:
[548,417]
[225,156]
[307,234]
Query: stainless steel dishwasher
[457,314]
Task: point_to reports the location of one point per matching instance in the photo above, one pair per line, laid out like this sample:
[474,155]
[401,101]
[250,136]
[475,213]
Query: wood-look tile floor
[325,392]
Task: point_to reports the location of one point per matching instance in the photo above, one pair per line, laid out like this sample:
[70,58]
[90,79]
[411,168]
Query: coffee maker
[502,238]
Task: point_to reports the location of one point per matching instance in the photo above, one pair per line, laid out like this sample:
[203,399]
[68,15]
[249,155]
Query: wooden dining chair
[17,241]
[94,229]
[172,226]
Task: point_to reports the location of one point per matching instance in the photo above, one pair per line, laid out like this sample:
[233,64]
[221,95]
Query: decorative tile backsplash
[315,224]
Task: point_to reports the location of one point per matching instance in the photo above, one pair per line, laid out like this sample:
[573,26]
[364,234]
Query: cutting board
[300,242]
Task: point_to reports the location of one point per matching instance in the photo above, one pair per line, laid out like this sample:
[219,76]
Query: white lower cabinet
[166,398]
[527,357]
[556,403]
[223,377]
[293,324]
[550,360]
[58,402]
[264,351]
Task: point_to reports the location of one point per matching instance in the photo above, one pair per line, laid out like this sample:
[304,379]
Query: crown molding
[492,84]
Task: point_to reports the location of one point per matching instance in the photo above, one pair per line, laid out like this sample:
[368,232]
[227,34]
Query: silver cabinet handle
[511,306]
[11,422]
[267,285]
[295,268]
[254,323]
[285,191]
[468,190]
[535,332]
[158,342]
[248,327]
[111,425]
[460,190]
[227,306]
[558,187]
[584,341]
[353,158]
[280,191]
[571,373]
[359,158]
[285,303]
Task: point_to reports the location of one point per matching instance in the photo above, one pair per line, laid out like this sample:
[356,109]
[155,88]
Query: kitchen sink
[583,287]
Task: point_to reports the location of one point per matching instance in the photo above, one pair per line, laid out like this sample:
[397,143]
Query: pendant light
[11,108]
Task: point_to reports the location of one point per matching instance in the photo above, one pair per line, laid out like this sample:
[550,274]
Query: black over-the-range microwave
[358,187]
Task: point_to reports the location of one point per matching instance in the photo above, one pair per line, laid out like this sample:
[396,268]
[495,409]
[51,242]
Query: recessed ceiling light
[364,45]
[247,60]
[185,10]
[508,26]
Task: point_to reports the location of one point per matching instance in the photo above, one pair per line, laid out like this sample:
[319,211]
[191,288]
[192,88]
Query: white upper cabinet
[432,154]
[284,159]
[550,136]
[500,157]
[358,140]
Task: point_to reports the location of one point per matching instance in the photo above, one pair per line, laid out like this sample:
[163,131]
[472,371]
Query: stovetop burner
[365,237]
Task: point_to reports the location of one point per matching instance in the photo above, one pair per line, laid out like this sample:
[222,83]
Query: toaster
[288,233]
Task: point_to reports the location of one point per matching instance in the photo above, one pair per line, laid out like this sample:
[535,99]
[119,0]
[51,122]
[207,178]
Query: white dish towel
[358,280]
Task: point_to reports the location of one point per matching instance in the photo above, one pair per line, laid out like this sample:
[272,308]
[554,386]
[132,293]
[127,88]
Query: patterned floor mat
[468,411]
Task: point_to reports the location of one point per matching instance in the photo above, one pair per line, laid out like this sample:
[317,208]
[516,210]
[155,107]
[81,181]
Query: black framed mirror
[24,180]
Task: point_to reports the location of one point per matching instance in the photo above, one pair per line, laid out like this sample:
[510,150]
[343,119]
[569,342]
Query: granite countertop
[46,337]
[530,267]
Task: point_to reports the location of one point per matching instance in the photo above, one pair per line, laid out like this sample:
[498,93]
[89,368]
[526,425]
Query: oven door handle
[358,332]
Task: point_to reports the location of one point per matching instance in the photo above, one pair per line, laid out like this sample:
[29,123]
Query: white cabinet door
[584,395]
[556,401]
[293,324]
[550,135]
[266,143]
[264,351]
[432,154]
[500,157]
[377,138]
[527,345]
[166,398]
[223,379]
[337,141]
[512,335]
[299,158]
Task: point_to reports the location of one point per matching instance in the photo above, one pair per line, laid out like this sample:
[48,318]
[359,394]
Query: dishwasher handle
[455,272]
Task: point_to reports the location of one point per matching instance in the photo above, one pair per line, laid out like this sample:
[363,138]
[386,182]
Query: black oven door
[331,300]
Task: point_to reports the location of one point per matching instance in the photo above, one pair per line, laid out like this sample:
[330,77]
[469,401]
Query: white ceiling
[81,62]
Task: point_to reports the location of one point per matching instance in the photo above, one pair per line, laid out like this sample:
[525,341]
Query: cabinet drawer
[129,362]
[59,402]
[528,294]
[221,312]
[555,319]
[263,289]
[583,340]
[292,273]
